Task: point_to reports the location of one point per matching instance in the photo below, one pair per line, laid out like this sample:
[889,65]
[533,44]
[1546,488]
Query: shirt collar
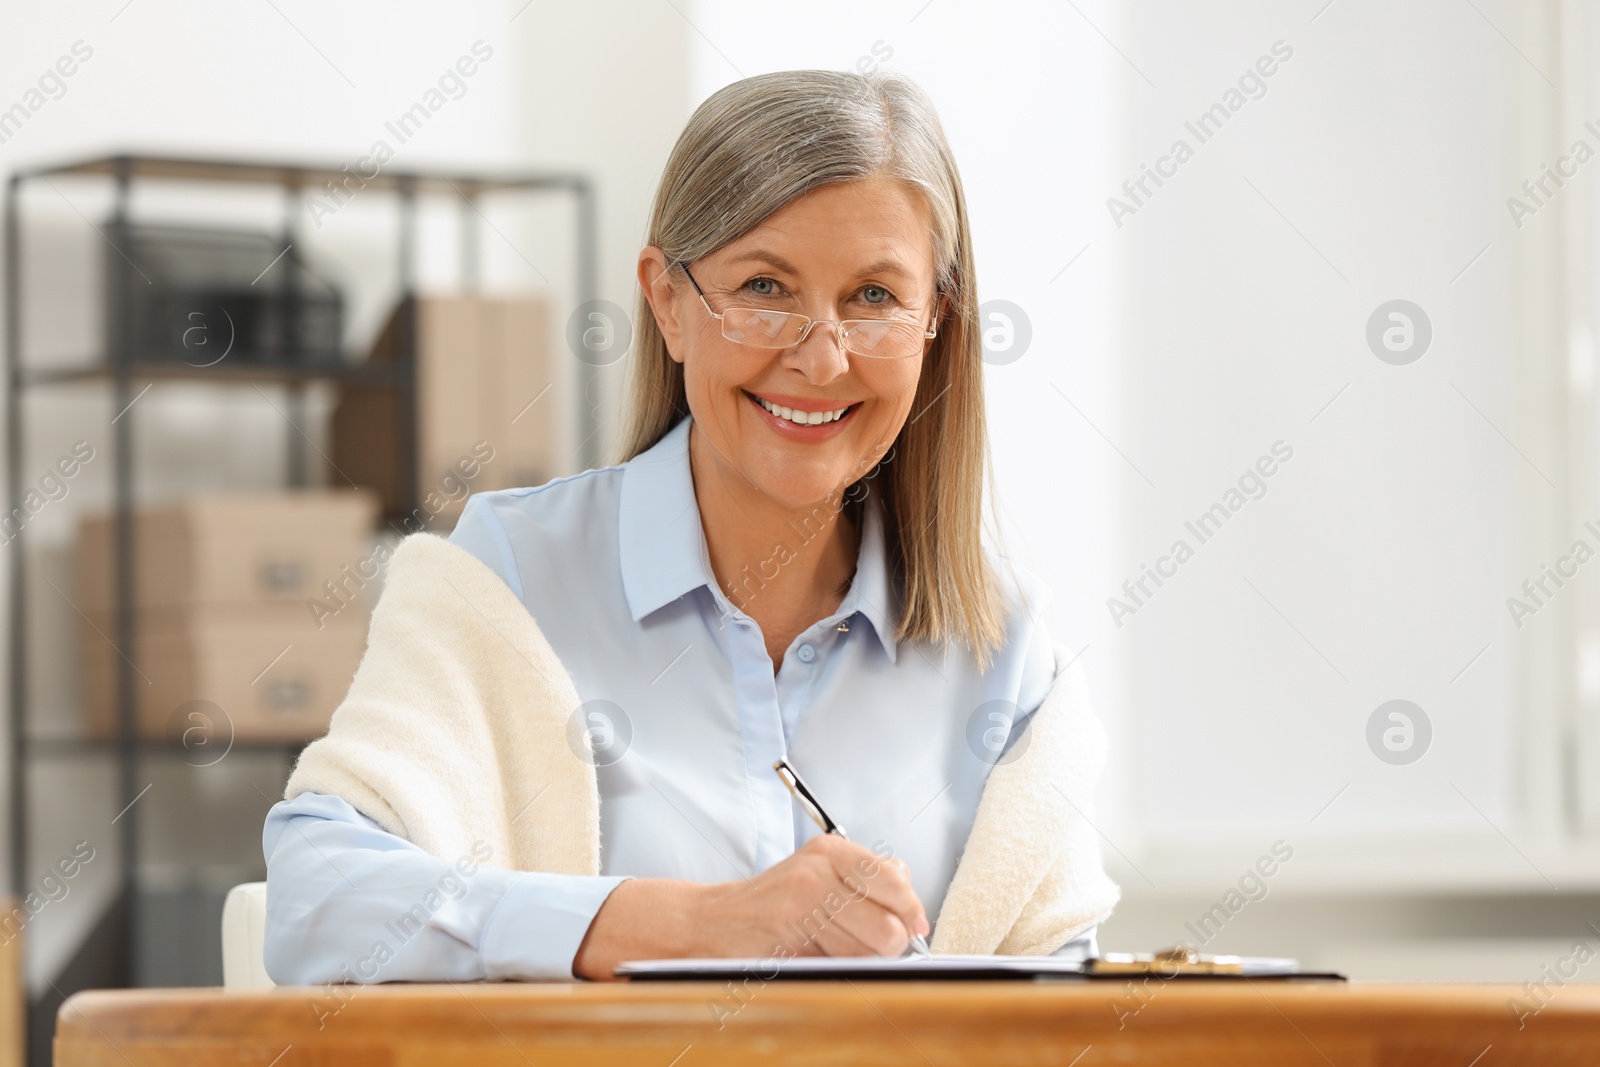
[663,546]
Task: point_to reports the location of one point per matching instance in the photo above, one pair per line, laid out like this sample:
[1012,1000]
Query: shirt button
[806,653]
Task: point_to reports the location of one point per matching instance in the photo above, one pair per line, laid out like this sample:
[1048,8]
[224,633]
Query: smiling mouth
[803,418]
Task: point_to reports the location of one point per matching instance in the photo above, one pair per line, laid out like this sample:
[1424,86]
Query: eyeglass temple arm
[680,263]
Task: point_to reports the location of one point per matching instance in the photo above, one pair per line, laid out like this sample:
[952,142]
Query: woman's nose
[820,355]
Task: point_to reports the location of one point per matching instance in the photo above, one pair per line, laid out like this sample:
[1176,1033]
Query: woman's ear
[656,284]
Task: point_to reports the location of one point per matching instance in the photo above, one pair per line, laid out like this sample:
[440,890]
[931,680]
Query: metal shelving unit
[123,367]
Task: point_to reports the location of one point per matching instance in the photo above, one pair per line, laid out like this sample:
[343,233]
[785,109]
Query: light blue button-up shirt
[687,718]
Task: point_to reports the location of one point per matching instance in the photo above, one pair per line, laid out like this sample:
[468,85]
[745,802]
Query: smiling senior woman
[788,565]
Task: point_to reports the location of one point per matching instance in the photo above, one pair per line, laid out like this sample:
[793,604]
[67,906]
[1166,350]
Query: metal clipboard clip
[1180,959]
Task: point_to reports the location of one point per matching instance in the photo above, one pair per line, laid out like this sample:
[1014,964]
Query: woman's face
[858,249]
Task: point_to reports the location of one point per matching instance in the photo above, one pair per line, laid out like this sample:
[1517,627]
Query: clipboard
[1174,963]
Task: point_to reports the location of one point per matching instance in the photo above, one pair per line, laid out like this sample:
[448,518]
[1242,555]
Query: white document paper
[828,966]
[909,967]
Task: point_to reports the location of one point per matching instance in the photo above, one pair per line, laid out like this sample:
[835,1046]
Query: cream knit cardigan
[455,729]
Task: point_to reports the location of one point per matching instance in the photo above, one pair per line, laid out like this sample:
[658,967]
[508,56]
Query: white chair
[244,935]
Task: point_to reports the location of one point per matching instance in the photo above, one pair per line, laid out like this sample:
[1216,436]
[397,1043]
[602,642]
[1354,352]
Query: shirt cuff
[535,931]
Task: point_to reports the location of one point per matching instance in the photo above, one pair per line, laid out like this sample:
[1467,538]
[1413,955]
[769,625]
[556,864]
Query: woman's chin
[796,490]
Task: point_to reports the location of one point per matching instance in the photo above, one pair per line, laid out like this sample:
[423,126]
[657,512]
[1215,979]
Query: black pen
[808,801]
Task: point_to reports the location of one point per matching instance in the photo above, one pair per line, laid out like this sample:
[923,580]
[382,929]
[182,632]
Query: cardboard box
[208,674]
[272,548]
[481,362]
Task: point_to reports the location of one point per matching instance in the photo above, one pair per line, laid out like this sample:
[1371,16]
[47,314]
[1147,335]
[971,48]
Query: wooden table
[1187,1021]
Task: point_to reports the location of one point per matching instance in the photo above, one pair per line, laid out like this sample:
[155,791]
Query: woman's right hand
[832,897]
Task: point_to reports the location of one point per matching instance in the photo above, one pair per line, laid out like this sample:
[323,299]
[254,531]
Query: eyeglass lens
[863,337]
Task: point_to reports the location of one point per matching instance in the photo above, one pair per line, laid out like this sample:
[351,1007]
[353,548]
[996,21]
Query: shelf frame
[123,370]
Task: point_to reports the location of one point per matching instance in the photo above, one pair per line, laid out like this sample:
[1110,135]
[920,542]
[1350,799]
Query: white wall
[1388,543]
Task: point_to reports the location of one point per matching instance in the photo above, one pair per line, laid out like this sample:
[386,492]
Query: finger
[889,885]
[852,861]
[813,901]
[875,927]
[825,934]
[837,940]
[917,922]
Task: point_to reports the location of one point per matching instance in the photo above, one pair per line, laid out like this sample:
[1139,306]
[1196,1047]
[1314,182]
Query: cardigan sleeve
[349,902]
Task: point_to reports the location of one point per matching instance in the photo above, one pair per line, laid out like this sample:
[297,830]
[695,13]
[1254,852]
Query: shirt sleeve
[349,902]
[1038,670]
[481,533]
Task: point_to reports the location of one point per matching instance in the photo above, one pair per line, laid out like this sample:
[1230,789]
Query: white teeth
[803,418]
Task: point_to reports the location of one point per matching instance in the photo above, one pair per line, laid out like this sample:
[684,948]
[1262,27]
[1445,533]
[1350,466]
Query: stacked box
[484,418]
[251,614]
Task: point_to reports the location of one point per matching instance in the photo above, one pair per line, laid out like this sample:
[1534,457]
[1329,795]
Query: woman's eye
[763,286]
